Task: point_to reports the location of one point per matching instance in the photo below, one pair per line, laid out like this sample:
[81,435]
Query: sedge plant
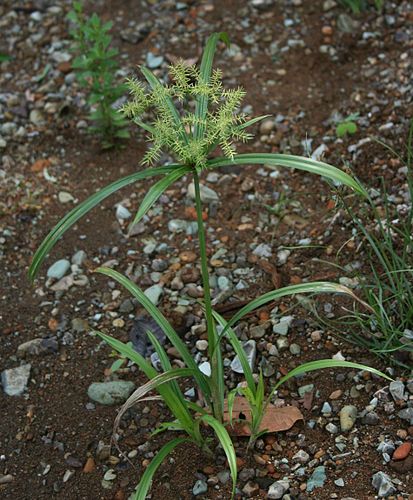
[95,64]
[192,135]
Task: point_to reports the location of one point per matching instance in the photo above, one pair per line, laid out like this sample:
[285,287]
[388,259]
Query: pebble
[263,250]
[32,347]
[58,269]
[110,393]
[36,117]
[402,451]
[305,388]
[278,489]
[79,258]
[267,126]
[110,475]
[383,484]
[200,487]
[339,482]
[122,213]
[6,478]
[301,457]
[251,489]
[15,380]
[348,416]
[201,345]
[331,428]
[250,349]
[397,390]
[153,61]
[154,293]
[317,479]
[208,195]
[65,197]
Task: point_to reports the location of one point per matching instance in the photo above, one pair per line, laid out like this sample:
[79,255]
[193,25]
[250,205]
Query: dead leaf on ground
[274,420]
[272,271]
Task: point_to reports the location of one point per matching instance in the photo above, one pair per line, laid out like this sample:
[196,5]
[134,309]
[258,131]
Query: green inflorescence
[222,124]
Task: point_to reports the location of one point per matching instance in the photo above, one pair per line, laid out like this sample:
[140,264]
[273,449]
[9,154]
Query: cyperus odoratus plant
[191,118]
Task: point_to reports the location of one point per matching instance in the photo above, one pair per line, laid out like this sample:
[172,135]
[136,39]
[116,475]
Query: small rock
[110,475]
[339,482]
[397,390]
[250,349]
[154,293]
[153,61]
[383,484]
[5,479]
[331,428]
[199,488]
[347,24]
[267,126]
[36,117]
[263,250]
[402,451]
[305,388]
[301,457]
[406,414]
[31,348]
[371,418]
[317,479]
[14,380]
[79,258]
[89,466]
[65,197]
[79,325]
[110,393]
[277,489]
[250,489]
[348,416]
[122,212]
[208,195]
[58,269]
[201,345]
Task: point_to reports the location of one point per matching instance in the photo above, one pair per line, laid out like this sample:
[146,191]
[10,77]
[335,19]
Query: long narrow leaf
[176,405]
[74,215]
[291,161]
[145,483]
[227,446]
[322,364]
[252,122]
[314,287]
[201,106]
[157,190]
[163,323]
[155,83]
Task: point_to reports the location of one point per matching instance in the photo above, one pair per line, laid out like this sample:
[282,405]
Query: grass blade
[226,444]
[163,323]
[155,83]
[145,482]
[252,121]
[201,106]
[291,161]
[157,190]
[74,215]
[325,363]
[314,287]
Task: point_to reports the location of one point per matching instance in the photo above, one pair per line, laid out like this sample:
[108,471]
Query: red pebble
[402,451]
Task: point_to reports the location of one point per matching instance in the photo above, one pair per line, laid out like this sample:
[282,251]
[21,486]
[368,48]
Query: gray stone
[177,225]
[58,269]
[36,117]
[79,325]
[301,457]
[15,380]
[223,476]
[64,197]
[295,349]
[371,418]
[154,293]
[122,212]
[263,250]
[326,408]
[339,482]
[277,489]
[331,428]
[208,195]
[281,328]
[397,390]
[32,347]
[406,414]
[267,126]
[383,484]
[347,24]
[250,349]
[348,416]
[110,393]
[153,61]
[199,488]
[305,388]
[317,479]
[259,331]
[79,258]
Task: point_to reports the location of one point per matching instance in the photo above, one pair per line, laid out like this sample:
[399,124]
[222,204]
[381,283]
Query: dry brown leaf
[274,420]
[272,271]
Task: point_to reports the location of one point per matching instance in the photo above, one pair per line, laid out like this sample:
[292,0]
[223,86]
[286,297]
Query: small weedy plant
[95,66]
[387,329]
[348,126]
[359,6]
[193,136]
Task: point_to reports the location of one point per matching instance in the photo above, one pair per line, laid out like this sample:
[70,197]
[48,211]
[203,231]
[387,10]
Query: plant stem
[214,349]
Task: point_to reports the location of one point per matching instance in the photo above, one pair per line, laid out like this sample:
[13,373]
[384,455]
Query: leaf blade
[292,161]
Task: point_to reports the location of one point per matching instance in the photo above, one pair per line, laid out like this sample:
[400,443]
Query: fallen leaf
[274,419]
[40,165]
[272,271]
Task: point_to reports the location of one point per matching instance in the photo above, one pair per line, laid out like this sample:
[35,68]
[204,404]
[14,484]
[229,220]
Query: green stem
[214,351]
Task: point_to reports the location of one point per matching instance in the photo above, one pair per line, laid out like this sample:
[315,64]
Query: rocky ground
[309,65]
